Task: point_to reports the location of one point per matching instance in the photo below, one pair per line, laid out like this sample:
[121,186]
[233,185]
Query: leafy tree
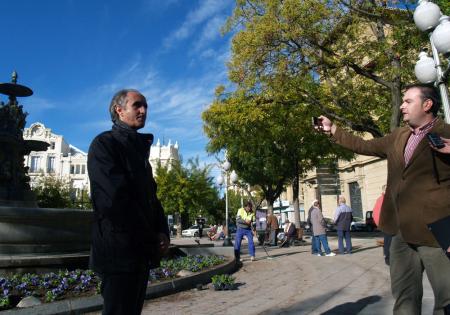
[83,200]
[52,192]
[294,59]
[188,191]
[360,53]
[267,143]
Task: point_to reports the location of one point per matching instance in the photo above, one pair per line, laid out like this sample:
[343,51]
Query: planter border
[95,302]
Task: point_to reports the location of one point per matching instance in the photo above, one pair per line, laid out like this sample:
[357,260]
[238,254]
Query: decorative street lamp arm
[446,74]
[440,81]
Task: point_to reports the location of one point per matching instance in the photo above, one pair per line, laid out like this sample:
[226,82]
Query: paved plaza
[292,281]
[296,282]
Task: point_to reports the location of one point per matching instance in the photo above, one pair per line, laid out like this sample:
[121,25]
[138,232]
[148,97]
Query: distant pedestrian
[314,249]
[290,233]
[272,227]
[319,231]
[244,221]
[343,220]
[387,238]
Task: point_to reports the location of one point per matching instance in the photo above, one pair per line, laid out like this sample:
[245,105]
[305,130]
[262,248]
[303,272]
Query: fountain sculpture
[14,182]
[26,229]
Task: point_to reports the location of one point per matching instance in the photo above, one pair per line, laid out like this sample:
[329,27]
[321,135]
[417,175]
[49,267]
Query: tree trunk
[396,93]
[269,206]
[295,201]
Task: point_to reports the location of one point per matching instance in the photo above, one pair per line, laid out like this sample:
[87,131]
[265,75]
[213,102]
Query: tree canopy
[360,53]
[268,143]
[52,192]
[292,60]
[188,191]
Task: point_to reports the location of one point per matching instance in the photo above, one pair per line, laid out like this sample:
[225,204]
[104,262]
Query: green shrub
[223,282]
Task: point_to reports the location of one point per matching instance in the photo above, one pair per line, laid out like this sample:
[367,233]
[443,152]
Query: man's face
[134,113]
[414,109]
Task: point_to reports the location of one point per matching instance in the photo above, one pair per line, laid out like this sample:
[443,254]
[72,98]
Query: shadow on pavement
[309,305]
[357,250]
[353,308]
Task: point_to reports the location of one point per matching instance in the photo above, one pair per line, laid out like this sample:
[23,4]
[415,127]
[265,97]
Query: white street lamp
[226,165]
[233,177]
[220,180]
[425,69]
[426,15]
[428,18]
[441,35]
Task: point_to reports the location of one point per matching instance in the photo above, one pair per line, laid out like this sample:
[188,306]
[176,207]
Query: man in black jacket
[130,232]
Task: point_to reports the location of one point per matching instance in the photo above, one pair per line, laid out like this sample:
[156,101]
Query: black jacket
[127,213]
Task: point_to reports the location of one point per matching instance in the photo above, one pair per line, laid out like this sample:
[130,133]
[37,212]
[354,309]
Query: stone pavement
[295,282]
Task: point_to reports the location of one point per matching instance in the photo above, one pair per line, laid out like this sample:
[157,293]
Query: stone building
[67,162]
[61,159]
[359,180]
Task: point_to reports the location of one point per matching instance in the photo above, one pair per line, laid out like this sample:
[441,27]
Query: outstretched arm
[372,147]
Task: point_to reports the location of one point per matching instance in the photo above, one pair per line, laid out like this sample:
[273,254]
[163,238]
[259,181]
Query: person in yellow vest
[245,220]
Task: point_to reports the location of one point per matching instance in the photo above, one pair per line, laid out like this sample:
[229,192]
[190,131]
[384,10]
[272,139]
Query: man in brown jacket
[272,227]
[417,194]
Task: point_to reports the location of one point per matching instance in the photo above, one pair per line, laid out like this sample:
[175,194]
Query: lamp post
[226,166]
[428,18]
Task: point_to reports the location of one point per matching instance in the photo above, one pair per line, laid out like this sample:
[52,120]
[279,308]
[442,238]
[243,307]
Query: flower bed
[68,284]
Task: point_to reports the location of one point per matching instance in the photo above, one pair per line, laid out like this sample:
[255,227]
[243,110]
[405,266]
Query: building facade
[360,181]
[67,162]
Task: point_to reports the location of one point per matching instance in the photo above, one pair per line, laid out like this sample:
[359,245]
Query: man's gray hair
[119,99]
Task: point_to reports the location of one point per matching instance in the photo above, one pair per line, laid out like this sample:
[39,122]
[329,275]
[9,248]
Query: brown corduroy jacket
[417,194]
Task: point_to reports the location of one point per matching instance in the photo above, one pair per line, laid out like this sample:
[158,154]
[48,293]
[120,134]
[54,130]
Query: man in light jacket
[343,219]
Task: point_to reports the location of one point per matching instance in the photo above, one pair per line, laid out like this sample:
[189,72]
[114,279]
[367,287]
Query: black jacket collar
[142,140]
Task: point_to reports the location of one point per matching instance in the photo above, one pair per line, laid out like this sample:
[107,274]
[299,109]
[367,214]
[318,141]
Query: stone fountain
[26,230]
[14,182]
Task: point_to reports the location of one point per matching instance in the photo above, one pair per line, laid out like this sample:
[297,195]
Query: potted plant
[223,282]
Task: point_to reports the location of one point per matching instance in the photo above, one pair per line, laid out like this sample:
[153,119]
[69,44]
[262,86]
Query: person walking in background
[319,231]
[343,219]
[244,221]
[417,196]
[272,227]
[376,217]
[290,233]
[314,249]
[129,230]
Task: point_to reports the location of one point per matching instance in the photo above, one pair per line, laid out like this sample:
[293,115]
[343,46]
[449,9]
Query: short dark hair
[119,100]
[248,203]
[429,92]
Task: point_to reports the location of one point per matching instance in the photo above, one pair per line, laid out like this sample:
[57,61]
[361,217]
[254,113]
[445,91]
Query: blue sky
[75,54]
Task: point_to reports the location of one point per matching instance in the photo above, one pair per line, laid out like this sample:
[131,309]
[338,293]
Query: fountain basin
[44,230]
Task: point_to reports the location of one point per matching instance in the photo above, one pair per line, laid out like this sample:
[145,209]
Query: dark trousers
[386,247]
[273,237]
[314,249]
[344,234]
[124,293]
[407,265]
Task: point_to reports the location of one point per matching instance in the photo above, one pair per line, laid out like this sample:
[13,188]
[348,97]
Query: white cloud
[206,10]
[210,32]
[175,106]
